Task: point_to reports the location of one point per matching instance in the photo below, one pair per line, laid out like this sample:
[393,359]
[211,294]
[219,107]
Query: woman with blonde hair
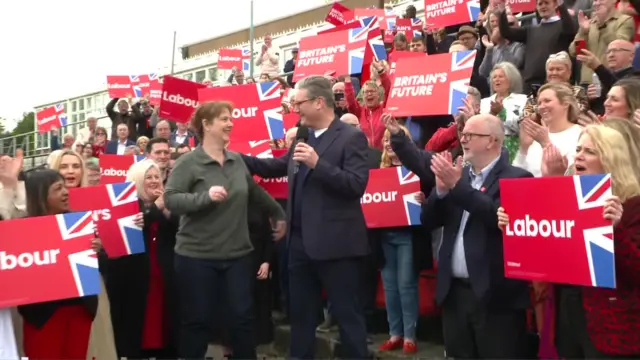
[373,104]
[559,112]
[140,286]
[592,322]
[72,168]
[403,249]
[631,135]
[558,70]
[142,144]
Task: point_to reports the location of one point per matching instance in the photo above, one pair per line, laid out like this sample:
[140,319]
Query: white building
[198,68]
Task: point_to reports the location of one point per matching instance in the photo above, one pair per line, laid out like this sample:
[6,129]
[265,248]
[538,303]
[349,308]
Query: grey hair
[318,86]
[512,74]
[475,93]
[495,127]
[92,166]
[400,37]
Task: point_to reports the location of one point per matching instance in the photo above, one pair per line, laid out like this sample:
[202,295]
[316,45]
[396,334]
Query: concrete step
[328,346]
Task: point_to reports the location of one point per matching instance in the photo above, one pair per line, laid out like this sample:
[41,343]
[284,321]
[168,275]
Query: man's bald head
[290,136]
[350,119]
[490,125]
[620,54]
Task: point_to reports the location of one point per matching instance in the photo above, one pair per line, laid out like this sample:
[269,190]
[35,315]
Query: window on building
[201,75]
[74,118]
[81,104]
[213,74]
[65,106]
[188,76]
[74,106]
[81,117]
[89,104]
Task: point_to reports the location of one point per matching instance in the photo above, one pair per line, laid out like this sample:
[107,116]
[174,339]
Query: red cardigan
[613,315]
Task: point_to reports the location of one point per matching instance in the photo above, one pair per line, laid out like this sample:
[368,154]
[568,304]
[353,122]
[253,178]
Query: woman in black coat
[141,286]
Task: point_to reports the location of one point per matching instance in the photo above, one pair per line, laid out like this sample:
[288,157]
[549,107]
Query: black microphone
[302,136]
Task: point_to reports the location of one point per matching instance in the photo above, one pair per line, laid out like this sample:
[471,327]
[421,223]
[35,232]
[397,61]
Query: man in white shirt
[87,134]
[119,146]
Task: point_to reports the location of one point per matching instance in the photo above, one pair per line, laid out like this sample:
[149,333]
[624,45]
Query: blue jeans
[400,282]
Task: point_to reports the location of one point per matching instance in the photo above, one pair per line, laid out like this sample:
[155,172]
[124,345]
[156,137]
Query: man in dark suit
[119,146]
[327,235]
[484,314]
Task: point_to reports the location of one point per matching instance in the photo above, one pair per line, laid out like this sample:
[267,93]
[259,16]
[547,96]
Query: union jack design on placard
[132,236]
[138,158]
[412,207]
[134,78]
[458,86]
[390,19]
[602,266]
[357,40]
[272,117]
[377,48]
[473,7]
[416,22]
[592,190]
[153,77]
[62,117]
[122,193]
[246,59]
[84,264]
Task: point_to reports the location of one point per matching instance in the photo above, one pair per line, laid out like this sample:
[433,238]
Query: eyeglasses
[296,104]
[468,136]
[615,50]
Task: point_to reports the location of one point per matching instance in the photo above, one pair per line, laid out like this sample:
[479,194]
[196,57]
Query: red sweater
[370,122]
[443,139]
[613,315]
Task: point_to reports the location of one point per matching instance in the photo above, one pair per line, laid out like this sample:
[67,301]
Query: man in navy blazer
[327,234]
[119,145]
[484,314]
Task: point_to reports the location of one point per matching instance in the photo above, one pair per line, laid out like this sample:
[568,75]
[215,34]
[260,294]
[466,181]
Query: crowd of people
[553,96]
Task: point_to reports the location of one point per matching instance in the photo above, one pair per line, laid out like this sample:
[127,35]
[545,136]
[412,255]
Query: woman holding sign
[55,329]
[140,286]
[406,251]
[71,167]
[593,322]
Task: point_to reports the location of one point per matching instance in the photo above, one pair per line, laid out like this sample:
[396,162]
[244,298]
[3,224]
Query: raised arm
[416,160]
[267,168]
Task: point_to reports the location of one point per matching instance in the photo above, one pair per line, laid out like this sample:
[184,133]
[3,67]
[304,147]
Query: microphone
[302,136]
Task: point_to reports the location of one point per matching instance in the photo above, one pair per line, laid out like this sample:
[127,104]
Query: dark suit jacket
[174,143]
[482,237]
[112,146]
[333,225]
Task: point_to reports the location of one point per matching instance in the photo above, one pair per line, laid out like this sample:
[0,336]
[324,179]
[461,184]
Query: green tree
[25,127]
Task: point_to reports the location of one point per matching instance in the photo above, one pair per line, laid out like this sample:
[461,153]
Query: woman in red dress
[141,306]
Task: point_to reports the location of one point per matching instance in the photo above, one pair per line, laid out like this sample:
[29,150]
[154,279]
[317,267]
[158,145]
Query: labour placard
[114,168]
[114,208]
[51,117]
[257,109]
[389,199]
[179,99]
[556,230]
[47,258]
[276,187]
